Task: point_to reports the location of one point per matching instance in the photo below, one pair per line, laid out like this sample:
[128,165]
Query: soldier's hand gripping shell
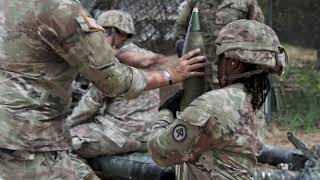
[186,66]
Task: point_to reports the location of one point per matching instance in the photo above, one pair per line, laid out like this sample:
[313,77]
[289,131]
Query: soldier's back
[235,145]
[35,81]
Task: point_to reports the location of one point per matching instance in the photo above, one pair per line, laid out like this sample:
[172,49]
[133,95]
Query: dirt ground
[277,135]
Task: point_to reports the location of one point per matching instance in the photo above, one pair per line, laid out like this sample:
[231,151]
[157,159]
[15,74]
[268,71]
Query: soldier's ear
[235,64]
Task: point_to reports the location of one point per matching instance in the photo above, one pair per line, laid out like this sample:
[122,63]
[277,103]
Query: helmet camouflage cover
[252,42]
[118,19]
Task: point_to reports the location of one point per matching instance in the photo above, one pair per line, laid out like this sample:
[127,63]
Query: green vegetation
[300,97]
[295,21]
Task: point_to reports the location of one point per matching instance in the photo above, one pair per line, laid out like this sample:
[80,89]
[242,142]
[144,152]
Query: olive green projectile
[193,87]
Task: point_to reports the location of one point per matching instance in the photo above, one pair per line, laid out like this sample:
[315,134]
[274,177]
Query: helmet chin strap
[231,78]
[228,79]
[113,40]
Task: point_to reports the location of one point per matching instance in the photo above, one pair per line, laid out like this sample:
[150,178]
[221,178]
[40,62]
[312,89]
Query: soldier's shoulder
[56,9]
[220,96]
[219,104]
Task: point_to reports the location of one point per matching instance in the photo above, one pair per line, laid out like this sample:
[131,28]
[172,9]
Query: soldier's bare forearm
[182,70]
[156,79]
[139,60]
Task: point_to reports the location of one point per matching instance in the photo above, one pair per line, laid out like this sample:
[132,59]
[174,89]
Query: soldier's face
[116,39]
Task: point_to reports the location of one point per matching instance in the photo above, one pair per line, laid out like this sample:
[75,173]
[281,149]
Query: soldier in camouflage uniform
[115,21]
[110,126]
[120,28]
[44,44]
[214,14]
[216,134]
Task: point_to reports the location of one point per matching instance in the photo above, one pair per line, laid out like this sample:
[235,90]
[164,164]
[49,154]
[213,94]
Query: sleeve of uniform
[76,37]
[255,12]
[182,22]
[89,104]
[179,141]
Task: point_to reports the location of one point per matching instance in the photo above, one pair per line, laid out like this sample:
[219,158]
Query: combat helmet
[252,42]
[119,19]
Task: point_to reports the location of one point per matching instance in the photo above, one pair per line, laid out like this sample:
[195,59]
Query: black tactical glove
[173,103]
[179,46]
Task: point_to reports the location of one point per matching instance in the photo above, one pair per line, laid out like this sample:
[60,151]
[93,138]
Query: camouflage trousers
[22,165]
[83,170]
[89,140]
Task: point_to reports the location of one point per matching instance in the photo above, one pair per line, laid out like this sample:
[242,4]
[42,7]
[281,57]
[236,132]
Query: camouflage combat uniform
[216,134]
[214,14]
[112,18]
[112,125]
[107,126]
[227,118]
[43,45]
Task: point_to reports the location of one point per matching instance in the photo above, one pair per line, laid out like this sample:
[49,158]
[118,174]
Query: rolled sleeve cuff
[138,84]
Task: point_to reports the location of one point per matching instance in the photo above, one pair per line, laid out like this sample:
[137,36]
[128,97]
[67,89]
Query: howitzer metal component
[303,148]
[133,166]
[275,156]
[193,87]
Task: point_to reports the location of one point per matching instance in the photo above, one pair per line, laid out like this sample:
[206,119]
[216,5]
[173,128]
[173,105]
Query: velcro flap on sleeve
[88,24]
[194,116]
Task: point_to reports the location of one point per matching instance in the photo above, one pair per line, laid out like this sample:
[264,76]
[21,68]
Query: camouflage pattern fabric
[42,48]
[240,40]
[109,126]
[83,170]
[214,14]
[215,135]
[118,19]
[23,165]
[110,117]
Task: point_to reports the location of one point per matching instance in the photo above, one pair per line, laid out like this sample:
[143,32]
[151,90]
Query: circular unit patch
[179,133]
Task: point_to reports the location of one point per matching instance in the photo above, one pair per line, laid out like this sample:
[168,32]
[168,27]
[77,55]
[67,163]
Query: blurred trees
[296,21]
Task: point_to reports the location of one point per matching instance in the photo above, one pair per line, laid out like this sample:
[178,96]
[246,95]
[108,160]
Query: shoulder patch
[179,133]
